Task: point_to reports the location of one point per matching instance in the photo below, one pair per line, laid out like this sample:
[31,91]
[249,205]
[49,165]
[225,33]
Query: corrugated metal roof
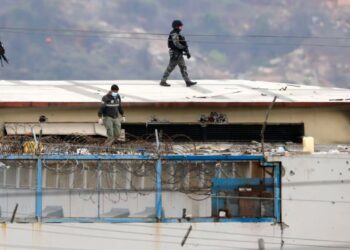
[143,93]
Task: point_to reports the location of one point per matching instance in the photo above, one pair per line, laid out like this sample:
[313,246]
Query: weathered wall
[326,125]
[316,196]
[315,212]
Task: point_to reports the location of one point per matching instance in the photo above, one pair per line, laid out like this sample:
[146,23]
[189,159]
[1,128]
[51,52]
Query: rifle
[185,50]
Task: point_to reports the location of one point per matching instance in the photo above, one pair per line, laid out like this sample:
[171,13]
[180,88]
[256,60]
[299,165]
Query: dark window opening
[222,132]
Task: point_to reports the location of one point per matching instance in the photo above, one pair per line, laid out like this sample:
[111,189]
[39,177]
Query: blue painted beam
[102,220]
[213,157]
[39,190]
[18,157]
[97,157]
[63,157]
[277,192]
[153,220]
[158,204]
[98,181]
[94,157]
[218,220]
[230,183]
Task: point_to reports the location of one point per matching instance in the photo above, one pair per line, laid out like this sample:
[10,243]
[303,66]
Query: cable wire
[130,36]
[166,34]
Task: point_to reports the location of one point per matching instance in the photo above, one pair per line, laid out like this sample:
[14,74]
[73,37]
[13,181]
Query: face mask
[114,94]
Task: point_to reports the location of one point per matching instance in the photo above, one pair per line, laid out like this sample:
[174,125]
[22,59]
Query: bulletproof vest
[171,45]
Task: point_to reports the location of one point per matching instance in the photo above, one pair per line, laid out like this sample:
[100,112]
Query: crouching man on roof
[108,114]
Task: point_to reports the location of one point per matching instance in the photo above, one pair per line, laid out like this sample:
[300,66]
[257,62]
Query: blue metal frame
[154,220]
[158,201]
[158,204]
[213,158]
[229,184]
[39,190]
[212,220]
[224,185]
[99,189]
[96,157]
[277,191]
[64,157]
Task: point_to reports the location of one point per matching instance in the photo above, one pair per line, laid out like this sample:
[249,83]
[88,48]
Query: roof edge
[173,104]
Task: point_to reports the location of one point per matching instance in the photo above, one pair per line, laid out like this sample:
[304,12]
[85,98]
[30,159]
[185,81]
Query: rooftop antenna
[42,119]
[262,133]
[157,140]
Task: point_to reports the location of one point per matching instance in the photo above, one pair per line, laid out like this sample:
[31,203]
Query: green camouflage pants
[176,59]
[112,126]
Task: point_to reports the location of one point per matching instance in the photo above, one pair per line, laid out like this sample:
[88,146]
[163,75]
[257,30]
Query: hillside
[277,40]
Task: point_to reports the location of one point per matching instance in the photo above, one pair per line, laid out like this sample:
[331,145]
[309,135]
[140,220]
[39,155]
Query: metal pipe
[14,214]
[186,236]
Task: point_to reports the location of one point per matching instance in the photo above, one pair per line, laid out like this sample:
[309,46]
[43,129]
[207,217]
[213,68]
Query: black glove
[188,55]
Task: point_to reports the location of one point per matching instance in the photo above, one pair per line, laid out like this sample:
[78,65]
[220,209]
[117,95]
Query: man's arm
[186,50]
[176,40]
[102,107]
[120,109]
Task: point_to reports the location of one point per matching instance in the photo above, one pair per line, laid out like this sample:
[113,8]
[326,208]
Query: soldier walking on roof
[108,114]
[2,55]
[177,47]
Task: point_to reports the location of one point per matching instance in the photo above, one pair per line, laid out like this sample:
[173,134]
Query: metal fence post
[277,191]
[39,190]
[159,189]
[98,189]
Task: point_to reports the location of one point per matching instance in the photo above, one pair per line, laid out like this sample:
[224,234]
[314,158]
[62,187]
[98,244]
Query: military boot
[190,83]
[164,84]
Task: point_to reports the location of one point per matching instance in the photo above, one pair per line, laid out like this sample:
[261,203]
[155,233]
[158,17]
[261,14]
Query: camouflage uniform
[176,58]
[177,45]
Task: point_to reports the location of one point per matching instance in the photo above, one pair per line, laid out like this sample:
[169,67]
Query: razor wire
[85,145]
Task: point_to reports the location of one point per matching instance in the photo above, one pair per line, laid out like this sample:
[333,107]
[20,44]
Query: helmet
[115,87]
[176,24]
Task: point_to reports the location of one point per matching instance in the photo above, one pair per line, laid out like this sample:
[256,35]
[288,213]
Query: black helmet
[115,87]
[176,24]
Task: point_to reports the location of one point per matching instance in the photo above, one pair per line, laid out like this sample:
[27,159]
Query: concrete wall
[326,125]
[315,214]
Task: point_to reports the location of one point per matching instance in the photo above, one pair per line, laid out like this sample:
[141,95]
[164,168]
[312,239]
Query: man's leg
[184,73]
[116,128]
[108,123]
[172,64]
[183,69]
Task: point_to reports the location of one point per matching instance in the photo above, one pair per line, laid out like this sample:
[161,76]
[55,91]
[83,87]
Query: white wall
[310,184]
